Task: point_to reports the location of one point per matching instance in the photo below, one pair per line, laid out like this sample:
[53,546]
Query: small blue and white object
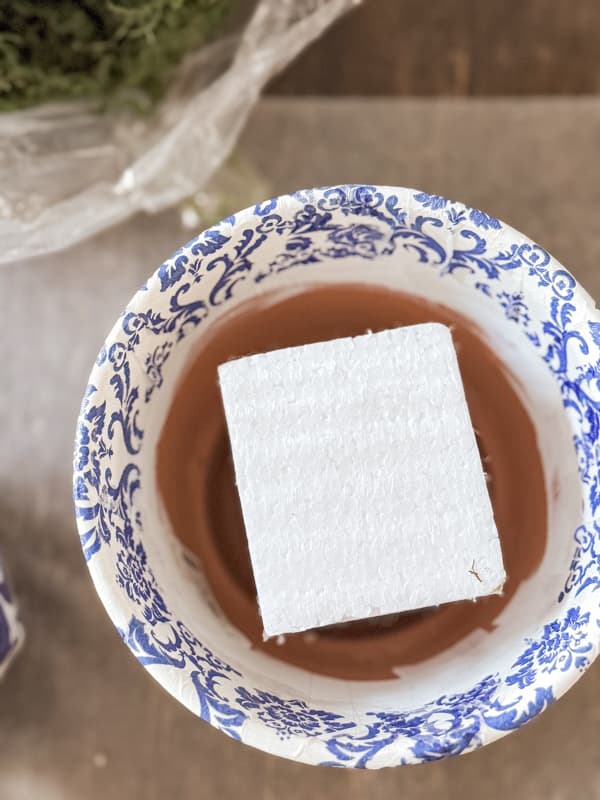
[11,630]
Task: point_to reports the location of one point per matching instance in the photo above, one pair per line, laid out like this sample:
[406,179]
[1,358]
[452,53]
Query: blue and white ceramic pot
[538,320]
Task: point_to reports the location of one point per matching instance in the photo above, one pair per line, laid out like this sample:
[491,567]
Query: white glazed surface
[323,420]
[543,325]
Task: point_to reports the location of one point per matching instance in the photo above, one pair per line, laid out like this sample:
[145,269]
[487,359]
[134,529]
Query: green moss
[120,51]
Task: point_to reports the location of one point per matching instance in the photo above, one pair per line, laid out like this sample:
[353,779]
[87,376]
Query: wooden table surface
[453,47]
[80,720]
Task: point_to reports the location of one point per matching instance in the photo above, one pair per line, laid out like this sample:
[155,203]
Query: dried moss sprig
[119,51]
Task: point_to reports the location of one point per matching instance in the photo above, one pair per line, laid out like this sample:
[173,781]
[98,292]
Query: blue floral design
[584,573]
[484,288]
[173,270]
[10,628]
[483,220]
[126,416]
[474,257]
[456,216]
[290,717]
[595,332]
[444,728]
[563,645]
[103,503]
[433,201]
[154,363]
[361,222]
[543,275]
[449,726]
[173,645]
[137,580]
[515,307]
[263,209]
[6,633]
[5,637]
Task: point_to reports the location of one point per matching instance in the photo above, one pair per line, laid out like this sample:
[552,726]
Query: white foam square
[360,478]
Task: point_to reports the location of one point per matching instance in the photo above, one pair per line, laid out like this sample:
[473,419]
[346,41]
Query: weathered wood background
[454,47]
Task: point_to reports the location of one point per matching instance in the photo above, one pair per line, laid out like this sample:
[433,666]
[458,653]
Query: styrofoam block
[360,478]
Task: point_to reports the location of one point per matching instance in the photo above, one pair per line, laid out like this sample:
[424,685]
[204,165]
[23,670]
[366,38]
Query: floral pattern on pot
[291,233]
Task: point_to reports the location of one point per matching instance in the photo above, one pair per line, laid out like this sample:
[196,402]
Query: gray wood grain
[79,719]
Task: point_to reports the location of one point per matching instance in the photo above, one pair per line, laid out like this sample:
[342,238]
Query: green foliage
[119,51]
